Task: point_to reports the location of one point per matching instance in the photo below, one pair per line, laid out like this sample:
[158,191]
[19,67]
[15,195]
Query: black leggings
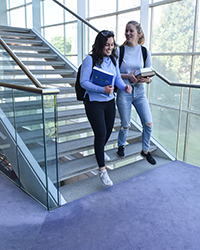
[101,116]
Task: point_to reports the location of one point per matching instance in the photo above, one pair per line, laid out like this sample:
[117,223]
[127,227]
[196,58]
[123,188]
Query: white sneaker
[106,157]
[104,178]
[109,168]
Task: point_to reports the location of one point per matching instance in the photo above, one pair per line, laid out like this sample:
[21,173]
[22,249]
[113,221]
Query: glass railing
[28,134]
[174,119]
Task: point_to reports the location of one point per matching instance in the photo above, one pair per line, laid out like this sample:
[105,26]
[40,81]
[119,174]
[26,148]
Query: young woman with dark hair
[100,101]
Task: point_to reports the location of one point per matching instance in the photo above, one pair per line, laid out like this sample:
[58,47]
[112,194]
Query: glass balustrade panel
[10,72]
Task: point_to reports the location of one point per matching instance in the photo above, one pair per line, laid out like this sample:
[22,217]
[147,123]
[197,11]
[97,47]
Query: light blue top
[95,92]
[133,60]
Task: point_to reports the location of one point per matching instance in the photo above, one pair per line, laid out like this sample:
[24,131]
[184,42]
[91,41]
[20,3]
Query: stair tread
[45,63]
[36,55]
[43,80]
[37,118]
[22,41]
[88,163]
[43,72]
[34,136]
[16,34]
[91,185]
[31,48]
[36,104]
[65,90]
[14,29]
[78,145]
[33,63]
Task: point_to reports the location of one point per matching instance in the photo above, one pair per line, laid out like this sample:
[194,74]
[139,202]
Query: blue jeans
[140,102]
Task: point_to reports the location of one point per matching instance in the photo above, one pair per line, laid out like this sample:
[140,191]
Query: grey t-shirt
[133,60]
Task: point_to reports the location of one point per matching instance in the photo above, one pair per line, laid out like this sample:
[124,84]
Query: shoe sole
[109,168]
[104,183]
[106,159]
[120,156]
[147,160]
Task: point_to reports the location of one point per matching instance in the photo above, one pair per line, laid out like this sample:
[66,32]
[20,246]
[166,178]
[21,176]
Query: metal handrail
[20,63]
[43,90]
[178,84]
[77,16]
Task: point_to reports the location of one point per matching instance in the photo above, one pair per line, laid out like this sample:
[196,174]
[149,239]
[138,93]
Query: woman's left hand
[148,80]
[108,89]
[145,79]
[128,89]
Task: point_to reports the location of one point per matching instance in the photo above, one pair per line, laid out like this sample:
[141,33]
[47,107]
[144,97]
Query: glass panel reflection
[174,68]
[173,26]
[28,144]
[193,144]
[162,93]
[165,127]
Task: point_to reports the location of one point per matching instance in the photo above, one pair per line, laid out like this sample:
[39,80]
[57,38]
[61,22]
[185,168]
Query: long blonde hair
[141,38]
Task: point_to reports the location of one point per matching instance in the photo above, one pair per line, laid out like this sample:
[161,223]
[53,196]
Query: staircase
[77,164]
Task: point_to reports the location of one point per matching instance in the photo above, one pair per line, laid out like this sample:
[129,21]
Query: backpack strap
[121,55]
[113,59]
[144,54]
[92,63]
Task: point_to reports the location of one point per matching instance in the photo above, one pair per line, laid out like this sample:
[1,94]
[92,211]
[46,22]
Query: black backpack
[121,56]
[79,90]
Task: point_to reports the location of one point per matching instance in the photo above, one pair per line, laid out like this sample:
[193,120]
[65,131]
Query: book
[102,77]
[144,72]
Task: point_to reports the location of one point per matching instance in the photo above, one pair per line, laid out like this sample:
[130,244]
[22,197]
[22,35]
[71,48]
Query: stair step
[7,93]
[31,48]
[55,81]
[37,55]
[35,136]
[41,72]
[78,145]
[91,185]
[16,34]
[86,164]
[36,104]
[45,63]
[14,29]
[33,63]
[87,143]
[22,41]
[66,90]
[47,81]
[33,119]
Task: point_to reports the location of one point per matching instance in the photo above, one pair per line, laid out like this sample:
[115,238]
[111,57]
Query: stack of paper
[145,72]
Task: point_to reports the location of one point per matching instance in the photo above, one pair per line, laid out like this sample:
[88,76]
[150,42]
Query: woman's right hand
[128,89]
[108,89]
[132,77]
